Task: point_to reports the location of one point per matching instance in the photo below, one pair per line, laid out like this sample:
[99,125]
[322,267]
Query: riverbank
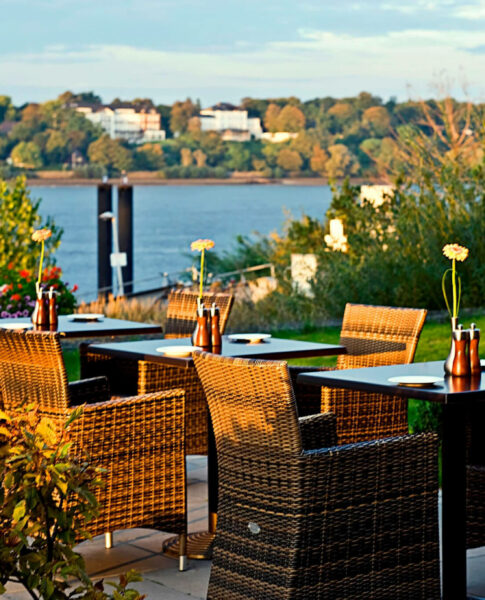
[148,179]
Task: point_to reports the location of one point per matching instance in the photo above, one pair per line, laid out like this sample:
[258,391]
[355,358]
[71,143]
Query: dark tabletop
[70,328]
[274,348]
[375,379]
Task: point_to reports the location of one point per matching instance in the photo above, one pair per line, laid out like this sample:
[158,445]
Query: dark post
[125,228]
[105,279]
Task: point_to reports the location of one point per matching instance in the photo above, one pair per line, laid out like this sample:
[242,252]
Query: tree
[111,154]
[341,162]
[200,157]
[7,110]
[186,157]
[26,155]
[19,217]
[180,115]
[342,112]
[290,119]
[239,157]
[319,160]
[289,160]
[56,147]
[377,119]
[271,117]
[150,157]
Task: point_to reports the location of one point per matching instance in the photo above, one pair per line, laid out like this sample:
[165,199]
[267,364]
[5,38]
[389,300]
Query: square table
[199,545]
[456,395]
[270,349]
[69,327]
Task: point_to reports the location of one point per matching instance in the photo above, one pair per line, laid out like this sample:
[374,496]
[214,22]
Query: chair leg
[182,552]
[108,540]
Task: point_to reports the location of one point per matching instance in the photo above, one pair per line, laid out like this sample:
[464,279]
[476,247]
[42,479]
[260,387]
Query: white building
[125,121]
[231,121]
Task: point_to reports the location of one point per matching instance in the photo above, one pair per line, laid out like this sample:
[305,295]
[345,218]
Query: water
[167,219]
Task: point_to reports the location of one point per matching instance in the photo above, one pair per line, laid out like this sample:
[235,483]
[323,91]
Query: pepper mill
[461,365]
[53,320]
[201,333]
[474,355]
[216,339]
[40,316]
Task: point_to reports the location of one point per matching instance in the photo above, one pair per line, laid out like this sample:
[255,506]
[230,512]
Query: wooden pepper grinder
[216,339]
[53,320]
[201,333]
[40,316]
[461,364]
[474,355]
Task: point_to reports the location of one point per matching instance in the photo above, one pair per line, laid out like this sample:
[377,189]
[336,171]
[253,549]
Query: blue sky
[225,50]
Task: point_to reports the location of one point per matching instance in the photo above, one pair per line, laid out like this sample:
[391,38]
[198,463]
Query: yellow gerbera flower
[455,252]
[202,245]
[40,235]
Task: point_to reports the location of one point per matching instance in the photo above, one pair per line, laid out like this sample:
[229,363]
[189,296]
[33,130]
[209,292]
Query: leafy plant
[46,499]
[17,291]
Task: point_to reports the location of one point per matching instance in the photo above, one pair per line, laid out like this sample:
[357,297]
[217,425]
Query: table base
[199,545]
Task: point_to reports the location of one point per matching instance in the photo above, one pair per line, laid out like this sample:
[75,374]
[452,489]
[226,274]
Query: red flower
[19,285]
[75,288]
[25,274]
[10,266]
[15,297]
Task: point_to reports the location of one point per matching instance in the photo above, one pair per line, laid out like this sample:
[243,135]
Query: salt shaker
[461,365]
[201,333]
[474,355]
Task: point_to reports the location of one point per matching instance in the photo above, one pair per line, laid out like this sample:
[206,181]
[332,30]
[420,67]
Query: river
[167,219]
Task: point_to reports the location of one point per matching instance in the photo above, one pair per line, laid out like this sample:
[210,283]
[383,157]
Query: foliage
[19,216]
[46,500]
[17,291]
[357,136]
[110,154]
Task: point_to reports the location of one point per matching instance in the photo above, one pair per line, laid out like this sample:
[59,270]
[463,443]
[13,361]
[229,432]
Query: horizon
[169,51]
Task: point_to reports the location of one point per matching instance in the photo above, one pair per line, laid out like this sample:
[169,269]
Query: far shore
[155,181]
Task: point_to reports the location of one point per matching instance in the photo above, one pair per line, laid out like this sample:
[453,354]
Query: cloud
[318,62]
[471,11]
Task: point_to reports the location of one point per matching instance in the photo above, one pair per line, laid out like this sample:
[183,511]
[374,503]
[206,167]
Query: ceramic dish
[16,326]
[416,380]
[86,317]
[251,338]
[178,351]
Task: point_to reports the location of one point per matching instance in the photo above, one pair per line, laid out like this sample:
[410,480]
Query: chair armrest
[318,431]
[308,397]
[89,391]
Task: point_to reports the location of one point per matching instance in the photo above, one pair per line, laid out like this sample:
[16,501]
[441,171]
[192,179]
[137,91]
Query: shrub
[17,291]
[46,498]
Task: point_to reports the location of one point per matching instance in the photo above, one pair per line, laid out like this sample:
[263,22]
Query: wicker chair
[301,518]
[144,377]
[475,510]
[374,336]
[138,441]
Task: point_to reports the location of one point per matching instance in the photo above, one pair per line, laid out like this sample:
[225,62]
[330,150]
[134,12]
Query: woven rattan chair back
[182,311]
[32,370]
[379,335]
[251,403]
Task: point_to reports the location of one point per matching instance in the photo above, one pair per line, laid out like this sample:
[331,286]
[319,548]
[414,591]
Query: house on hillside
[135,124]
[232,122]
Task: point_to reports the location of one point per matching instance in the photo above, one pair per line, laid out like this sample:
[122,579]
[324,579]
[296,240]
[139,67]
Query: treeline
[358,136]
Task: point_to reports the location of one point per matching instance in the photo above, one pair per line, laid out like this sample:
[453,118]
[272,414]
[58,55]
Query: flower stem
[453,280]
[40,263]
[201,273]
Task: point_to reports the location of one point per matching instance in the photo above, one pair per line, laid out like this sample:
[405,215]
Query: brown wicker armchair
[138,441]
[374,336]
[301,518]
[143,377]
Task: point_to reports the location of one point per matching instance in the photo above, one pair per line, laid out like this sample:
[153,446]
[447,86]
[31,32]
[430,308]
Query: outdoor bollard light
[117,258]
